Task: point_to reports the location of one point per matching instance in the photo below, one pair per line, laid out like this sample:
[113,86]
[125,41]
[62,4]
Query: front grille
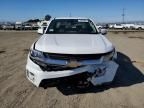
[68,57]
[51,67]
[77,57]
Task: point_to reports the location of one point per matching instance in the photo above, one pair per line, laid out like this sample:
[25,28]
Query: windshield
[71,26]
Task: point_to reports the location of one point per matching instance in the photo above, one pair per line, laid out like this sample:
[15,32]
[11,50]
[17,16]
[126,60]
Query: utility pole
[123,15]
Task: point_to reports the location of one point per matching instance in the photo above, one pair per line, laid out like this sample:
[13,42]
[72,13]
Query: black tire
[123,28]
[139,28]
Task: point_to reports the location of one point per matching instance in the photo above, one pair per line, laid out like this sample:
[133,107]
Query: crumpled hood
[73,43]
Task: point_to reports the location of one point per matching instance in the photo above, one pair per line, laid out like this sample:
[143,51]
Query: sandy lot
[127,90]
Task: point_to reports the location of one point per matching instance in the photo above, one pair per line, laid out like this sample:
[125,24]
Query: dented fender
[108,69]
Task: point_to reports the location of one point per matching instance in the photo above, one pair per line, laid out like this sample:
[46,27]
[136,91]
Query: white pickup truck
[72,47]
[139,27]
[129,26]
[117,26]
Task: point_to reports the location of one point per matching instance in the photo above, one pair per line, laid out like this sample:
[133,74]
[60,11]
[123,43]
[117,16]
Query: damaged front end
[100,68]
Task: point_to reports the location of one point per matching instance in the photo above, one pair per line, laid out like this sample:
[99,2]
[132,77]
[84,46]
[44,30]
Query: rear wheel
[139,28]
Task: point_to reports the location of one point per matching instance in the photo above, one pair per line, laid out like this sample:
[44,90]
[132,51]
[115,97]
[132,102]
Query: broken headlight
[37,57]
[35,54]
[109,56]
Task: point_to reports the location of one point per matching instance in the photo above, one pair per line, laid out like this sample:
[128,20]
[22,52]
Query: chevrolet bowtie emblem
[73,63]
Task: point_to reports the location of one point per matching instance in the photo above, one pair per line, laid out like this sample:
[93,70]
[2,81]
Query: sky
[99,10]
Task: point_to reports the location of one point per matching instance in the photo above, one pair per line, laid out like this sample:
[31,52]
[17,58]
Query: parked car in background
[35,27]
[72,47]
[8,27]
[99,27]
[43,23]
[111,26]
[18,26]
[27,26]
[118,26]
[43,27]
[128,26]
[139,26]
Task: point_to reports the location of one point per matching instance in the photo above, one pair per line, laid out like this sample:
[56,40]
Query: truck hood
[73,43]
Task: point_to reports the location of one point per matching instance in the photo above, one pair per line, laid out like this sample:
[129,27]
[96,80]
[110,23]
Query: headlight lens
[38,57]
[36,54]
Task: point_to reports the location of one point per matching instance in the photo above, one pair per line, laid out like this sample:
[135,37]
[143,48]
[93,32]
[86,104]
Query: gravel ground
[126,91]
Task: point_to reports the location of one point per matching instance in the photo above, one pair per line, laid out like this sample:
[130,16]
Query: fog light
[30,75]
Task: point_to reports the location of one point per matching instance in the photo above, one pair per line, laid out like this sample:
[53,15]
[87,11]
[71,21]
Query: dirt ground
[127,90]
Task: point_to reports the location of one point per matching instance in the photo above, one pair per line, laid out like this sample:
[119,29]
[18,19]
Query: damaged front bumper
[100,72]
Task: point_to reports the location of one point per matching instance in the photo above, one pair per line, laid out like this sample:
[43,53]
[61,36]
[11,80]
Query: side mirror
[103,31]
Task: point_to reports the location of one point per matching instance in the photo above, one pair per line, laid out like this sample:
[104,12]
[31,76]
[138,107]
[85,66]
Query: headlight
[109,56]
[36,54]
[37,57]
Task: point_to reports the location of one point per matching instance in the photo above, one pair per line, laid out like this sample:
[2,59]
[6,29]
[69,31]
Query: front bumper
[35,74]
